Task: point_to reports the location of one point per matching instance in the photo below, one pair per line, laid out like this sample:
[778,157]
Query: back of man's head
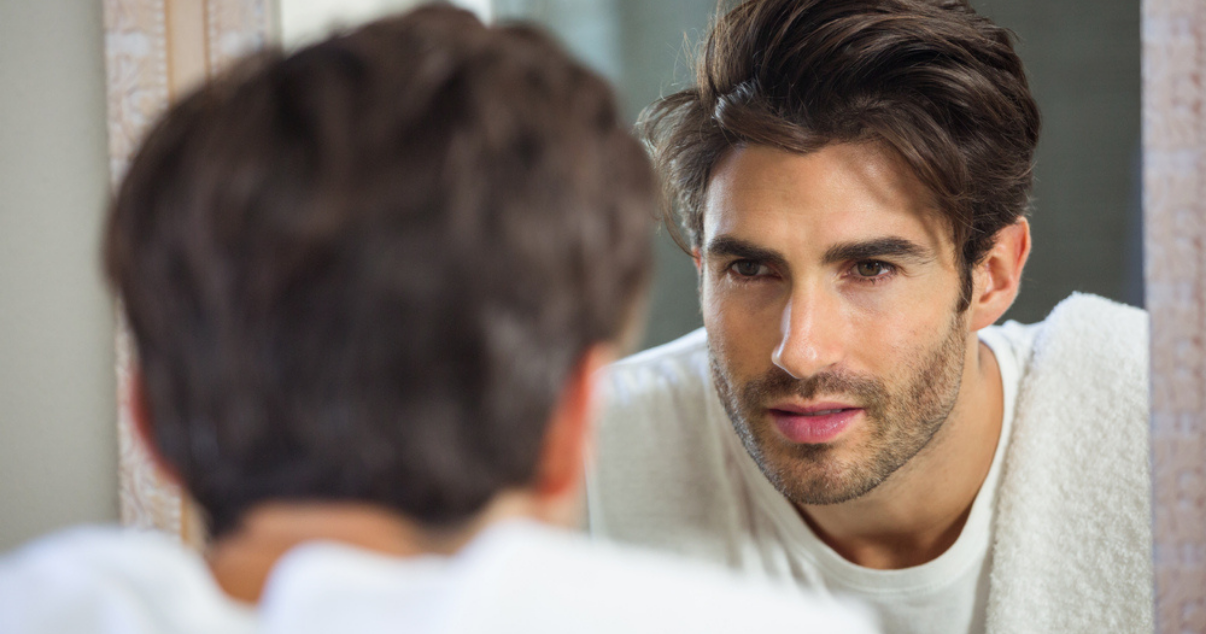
[362,272]
[928,79]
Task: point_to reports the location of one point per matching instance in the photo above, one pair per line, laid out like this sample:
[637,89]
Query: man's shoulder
[661,470]
[1100,340]
[635,590]
[86,553]
[107,579]
[1073,507]
[1097,319]
[658,392]
[681,364]
[518,575]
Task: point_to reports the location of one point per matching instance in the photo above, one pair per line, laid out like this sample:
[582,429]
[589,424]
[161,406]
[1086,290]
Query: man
[370,285]
[852,177]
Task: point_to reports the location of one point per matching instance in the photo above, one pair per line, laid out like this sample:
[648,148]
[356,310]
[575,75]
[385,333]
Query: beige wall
[58,455]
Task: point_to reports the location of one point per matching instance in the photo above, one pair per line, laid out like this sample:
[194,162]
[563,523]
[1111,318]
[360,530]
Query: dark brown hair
[364,271]
[931,80]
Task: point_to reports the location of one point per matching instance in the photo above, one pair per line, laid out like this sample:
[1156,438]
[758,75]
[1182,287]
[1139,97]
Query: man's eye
[748,268]
[871,268]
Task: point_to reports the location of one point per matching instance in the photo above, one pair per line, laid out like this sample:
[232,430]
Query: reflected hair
[927,79]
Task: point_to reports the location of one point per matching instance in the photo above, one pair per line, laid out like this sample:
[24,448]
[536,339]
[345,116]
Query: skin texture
[830,281]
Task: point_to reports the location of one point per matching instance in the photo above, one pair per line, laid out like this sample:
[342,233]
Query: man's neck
[918,512]
[242,561]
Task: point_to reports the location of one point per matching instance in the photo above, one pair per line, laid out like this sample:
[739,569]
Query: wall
[1083,62]
[58,456]
[303,21]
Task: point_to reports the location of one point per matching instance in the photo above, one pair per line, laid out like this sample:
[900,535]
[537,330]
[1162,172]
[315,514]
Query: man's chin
[814,474]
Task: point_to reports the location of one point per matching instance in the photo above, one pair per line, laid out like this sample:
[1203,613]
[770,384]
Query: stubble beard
[899,423]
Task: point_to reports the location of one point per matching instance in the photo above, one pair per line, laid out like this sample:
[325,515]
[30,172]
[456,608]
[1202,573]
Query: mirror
[1083,60]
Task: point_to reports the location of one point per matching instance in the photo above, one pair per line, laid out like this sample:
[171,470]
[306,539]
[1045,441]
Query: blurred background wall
[302,21]
[58,448]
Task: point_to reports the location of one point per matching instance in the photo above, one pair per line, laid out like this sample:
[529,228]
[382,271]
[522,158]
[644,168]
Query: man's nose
[810,335]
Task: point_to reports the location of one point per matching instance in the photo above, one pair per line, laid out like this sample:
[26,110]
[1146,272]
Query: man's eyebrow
[730,247]
[878,248]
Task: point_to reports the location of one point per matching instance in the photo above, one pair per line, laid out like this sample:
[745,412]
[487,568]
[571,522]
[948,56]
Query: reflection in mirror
[1083,60]
[878,448]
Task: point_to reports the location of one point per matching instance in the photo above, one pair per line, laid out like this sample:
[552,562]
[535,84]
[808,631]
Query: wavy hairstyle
[932,80]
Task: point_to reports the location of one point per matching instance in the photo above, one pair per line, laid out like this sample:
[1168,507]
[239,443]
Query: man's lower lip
[812,430]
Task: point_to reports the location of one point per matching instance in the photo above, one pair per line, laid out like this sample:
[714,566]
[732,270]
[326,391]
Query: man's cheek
[743,350]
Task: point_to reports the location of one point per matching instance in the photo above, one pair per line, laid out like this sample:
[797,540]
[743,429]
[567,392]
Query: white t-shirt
[671,473]
[514,577]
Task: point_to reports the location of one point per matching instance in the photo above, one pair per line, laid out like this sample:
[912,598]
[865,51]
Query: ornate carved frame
[156,49]
[1174,203]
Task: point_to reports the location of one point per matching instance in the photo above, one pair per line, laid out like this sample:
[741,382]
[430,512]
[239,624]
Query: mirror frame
[155,51]
[1174,219]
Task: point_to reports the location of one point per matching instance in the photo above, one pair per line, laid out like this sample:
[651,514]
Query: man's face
[830,286]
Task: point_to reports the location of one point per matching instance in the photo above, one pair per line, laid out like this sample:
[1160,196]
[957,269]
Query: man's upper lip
[811,408]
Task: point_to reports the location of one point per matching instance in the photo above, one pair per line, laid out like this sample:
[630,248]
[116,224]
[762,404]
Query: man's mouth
[813,424]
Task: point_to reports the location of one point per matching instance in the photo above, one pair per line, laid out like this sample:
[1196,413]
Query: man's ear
[140,416]
[998,278]
[568,437]
[695,257]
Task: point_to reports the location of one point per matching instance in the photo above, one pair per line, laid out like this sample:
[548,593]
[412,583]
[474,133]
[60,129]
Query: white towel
[1075,497]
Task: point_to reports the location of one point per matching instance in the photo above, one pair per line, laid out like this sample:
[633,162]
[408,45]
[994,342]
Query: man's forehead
[839,194]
